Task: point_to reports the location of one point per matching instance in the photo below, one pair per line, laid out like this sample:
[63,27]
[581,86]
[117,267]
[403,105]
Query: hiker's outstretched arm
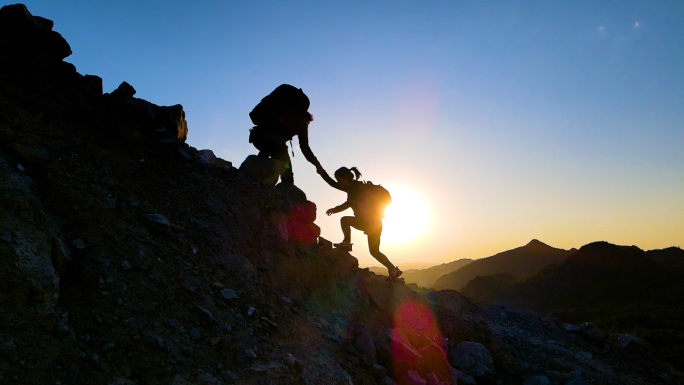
[332,182]
[340,208]
[306,150]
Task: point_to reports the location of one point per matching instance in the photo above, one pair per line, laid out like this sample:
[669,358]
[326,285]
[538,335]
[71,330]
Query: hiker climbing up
[368,201]
[280,116]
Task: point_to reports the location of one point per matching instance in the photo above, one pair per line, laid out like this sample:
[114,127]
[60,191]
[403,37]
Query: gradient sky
[560,121]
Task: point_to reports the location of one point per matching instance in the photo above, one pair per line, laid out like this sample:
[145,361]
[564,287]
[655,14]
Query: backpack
[284,97]
[373,200]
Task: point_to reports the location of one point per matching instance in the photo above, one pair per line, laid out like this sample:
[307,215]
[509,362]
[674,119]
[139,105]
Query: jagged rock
[436,361]
[158,223]
[208,157]
[411,377]
[472,358]
[633,344]
[21,34]
[262,170]
[324,243]
[363,343]
[43,23]
[288,192]
[395,351]
[92,85]
[124,90]
[537,380]
[570,328]
[173,128]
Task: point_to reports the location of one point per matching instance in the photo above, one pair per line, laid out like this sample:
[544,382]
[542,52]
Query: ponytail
[356,172]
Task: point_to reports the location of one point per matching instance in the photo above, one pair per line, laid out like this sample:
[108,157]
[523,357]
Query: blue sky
[561,121]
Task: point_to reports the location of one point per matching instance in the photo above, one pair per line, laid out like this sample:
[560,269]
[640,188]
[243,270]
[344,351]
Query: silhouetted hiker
[280,116]
[368,201]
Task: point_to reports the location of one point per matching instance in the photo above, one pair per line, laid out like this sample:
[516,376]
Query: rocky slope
[129,257]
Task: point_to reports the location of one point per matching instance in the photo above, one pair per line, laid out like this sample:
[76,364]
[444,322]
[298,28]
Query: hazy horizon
[496,124]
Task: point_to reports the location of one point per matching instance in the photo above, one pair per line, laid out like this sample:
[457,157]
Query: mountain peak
[535,243]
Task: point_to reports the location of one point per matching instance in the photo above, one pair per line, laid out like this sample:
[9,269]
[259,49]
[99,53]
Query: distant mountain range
[520,262]
[620,288]
[427,277]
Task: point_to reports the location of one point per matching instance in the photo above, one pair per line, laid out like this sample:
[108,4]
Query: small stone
[126,265]
[20,167]
[217,285]
[214,341]
[195,333]
[229,294]
[287,300]
[79,244]
[250,353]
[378,371]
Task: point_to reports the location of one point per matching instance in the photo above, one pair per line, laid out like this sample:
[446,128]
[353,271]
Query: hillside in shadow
[619,288]
[520,262]
[129,257]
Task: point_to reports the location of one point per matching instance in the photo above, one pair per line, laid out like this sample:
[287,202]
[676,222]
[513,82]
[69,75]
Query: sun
[407,218]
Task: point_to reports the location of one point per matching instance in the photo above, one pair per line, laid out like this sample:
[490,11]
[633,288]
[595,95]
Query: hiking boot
[394,274]
[344,245]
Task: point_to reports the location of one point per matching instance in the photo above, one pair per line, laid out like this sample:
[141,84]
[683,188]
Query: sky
[490,123]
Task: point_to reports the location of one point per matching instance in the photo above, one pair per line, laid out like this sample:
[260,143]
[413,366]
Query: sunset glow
[407,218]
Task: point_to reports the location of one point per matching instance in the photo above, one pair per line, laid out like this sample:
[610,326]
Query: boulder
[304,212]
[472,358]
[592,332]
[262,170]
[289,193]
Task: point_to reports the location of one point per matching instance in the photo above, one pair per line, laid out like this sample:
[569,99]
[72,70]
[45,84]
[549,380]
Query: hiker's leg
[374,248]
[346,222]
[284,157]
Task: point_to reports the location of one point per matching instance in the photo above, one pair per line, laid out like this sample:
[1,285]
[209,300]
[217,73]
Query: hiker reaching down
[368,201]
[279,117]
